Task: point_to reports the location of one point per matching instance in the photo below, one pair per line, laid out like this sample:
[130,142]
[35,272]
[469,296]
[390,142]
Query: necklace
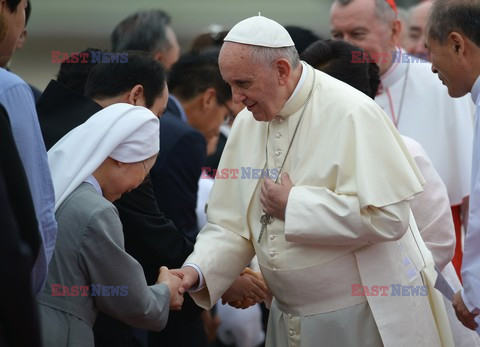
[396,120]
[266,219]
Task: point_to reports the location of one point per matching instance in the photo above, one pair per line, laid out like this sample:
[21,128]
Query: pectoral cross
[265,220]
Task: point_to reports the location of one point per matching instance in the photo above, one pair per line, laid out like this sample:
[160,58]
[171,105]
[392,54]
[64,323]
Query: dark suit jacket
[176,173]
[60,109]
[19,246]
[175,178]
[149,237]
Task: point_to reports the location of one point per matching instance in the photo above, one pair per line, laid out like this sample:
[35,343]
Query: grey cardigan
[90,252]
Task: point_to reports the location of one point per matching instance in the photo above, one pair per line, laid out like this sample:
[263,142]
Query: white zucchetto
[260,31]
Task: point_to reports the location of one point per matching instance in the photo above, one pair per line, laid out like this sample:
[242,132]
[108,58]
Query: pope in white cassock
[340,218]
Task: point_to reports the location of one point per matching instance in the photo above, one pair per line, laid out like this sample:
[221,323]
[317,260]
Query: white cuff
[201,280]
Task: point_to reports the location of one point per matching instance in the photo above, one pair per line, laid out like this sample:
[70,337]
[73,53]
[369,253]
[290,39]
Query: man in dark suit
[149,237]
[62,105]
[183,153]
[194,114]
[177,170]
[199,95]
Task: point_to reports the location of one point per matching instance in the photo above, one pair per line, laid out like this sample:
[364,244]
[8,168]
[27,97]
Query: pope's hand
[173,282]
[189,278]
[463,315]
[274,197]
[247,290]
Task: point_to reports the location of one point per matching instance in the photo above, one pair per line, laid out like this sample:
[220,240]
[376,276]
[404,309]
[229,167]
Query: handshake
[248,289]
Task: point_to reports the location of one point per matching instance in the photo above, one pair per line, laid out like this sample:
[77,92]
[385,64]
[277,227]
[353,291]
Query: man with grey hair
[329,232]
[453,39]
[148,31]
[410,95]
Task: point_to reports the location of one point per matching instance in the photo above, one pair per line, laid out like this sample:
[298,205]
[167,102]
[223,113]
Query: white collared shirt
[471,259]
[93,181]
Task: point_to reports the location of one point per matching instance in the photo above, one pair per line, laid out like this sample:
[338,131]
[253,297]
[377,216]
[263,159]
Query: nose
[237,96]
[434,70]
[419,47]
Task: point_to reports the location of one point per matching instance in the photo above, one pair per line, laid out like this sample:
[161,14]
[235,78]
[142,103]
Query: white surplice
[421,108]
[431,209]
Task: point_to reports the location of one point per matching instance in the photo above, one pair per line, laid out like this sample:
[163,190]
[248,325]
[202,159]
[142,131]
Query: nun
[92,166]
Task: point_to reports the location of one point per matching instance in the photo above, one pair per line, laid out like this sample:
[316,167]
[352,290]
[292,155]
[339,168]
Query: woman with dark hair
[340,59]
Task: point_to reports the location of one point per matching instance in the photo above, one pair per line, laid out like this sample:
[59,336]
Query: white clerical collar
[93,181]
[300,83]
[476,91]
[396,71]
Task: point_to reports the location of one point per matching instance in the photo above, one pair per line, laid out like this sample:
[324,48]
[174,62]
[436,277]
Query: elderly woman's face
[125,177]
[253,85]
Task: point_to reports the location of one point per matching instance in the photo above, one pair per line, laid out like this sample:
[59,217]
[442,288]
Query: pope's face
[253,85]
[446,65]
[358,24]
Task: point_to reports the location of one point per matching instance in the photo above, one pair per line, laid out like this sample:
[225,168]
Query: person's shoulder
[414,148]
[341,99]
[86,201]
[9,80]
[9,77]
[175,127]
[336,90]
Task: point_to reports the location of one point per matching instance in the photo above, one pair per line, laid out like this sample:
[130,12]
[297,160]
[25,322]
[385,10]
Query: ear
[456,43]
[136,96]
[396,32]
[22,39]
[209,98]
[158,56]
[283,69]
